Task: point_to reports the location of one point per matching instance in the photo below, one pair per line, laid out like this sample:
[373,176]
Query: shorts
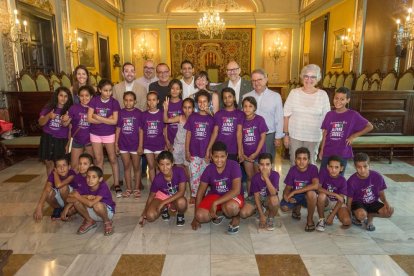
[105,139]
[300,200]
[125,151]
[372,208]
[150,151]
[59,198]
[208,200]
[51,148]
[332,203]
[76,145]
[95,216]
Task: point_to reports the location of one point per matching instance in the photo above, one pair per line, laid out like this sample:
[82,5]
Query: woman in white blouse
[304,110]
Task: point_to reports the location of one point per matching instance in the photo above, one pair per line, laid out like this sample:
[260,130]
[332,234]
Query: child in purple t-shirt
[79,125]
[340,128]
[253,137]
[103,116]
[94,203]
[365,190]
[199,127]
[302,181]
[126,143]
[56,190]
[228,124]
[263,193]
[223,177]
[167,191]
[152,133]
[331,194]
[54,139]
[174,110]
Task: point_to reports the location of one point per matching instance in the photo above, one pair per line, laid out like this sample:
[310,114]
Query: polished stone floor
[161,248]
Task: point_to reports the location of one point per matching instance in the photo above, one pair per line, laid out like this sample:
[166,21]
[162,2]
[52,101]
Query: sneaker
[270,224]
[180,220]
[356,222]
[232,230]
[369,227]
[165,215]
[218,220]
[320,226]
[56,213]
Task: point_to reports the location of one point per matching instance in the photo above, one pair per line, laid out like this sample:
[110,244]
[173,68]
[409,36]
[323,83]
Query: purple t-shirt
[128,123]
[152,125]
[339,126]
[174,110]
[298,180]
[169,188]
[227,122]
[259,184]
[79,183]
[102,191]
[80,125]
[252,129]
[51,178]
[335,185]
[366,190]
[54,127]
[221,183]
[201,127]
[104,110]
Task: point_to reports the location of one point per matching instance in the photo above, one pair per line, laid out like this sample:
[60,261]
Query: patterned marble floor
[161,248]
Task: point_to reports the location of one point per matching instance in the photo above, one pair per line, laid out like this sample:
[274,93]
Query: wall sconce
[404,34]
[278,50]
[17,33]
[144,51]
[348,43]
[74,44]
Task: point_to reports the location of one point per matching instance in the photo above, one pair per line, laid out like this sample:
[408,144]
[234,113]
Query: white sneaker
[320,226]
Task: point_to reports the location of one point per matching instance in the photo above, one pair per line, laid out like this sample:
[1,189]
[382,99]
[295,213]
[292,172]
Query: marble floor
[161,248]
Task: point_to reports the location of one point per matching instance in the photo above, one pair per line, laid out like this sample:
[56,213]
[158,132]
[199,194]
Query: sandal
[296,215]
[127,193]
[310,227]
[137,194]
[108,229]
[86,226]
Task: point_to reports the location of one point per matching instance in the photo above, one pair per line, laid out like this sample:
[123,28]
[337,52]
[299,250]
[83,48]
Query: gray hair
[311,67]
[259,71]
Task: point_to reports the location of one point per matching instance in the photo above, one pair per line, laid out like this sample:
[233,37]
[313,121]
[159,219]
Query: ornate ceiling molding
[164,5]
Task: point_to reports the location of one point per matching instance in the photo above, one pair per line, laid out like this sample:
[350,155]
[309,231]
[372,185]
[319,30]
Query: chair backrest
[376,75]
[360,82]
[42,83]
[365,84]
[54,79]
[340,80]
[56,85]
[65,81]
[374,85]
[26,83]
[326,80]
[406,81]
[349,81]
[332,81]
[92,80]
[389,81]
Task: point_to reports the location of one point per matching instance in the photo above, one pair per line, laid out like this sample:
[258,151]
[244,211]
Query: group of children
[182,146]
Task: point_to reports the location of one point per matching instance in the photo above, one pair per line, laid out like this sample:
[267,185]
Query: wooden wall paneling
[319,42]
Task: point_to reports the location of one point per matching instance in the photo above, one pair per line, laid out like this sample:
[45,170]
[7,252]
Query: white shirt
[236,88]
[128,86]
[146,82]
[188,89]
[306,113]
[269,106]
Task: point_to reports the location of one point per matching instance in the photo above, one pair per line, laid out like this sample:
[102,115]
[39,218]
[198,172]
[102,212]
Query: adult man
[187,70]
[130,84]
[149,74]
[161,86]
[240,86]
[269,106]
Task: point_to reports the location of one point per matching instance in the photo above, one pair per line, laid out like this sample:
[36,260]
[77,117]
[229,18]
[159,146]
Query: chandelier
[278,50]
[144,50]
[74,42]
[211,24]
[405,31]
[17,33]
[348,44]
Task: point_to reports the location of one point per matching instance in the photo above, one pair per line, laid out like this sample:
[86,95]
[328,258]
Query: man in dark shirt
[161,86]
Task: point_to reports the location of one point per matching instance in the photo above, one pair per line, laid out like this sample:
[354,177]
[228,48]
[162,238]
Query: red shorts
[208,200]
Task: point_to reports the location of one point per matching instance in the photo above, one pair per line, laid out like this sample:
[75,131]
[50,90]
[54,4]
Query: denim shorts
[300,200]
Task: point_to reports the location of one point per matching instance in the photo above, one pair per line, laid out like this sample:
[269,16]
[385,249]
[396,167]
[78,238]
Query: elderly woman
[304,110]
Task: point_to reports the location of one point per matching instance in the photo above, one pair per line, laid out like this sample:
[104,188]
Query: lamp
[348,43]
[74,44]
[211,24]
[17,33]
[278,50]
[404,34]
[144,51]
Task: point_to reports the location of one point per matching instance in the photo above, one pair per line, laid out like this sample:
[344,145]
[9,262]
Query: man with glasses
[149,74]
[187,70]
[269,106]
[240,86]
[161,86]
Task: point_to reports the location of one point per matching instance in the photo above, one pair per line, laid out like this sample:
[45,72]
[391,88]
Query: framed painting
[86,53]
[338,54]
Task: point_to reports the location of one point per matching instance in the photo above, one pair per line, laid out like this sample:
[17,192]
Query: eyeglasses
[148,68]
[232,70]
[163,72]
[258,80]
[171,190]
[306,77]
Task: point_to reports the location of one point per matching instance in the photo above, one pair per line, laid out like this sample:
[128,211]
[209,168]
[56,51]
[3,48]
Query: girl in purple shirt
[174,110]
[54,139]
[127,143]
[103,117]
[253,137]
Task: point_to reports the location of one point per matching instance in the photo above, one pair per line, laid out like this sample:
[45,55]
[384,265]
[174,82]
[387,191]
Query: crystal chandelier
[211,24]
[405,31]
[144,50]
[278,50]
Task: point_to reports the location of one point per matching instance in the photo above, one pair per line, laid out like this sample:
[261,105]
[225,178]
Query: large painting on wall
[87,49]
[211,55]
[338,58]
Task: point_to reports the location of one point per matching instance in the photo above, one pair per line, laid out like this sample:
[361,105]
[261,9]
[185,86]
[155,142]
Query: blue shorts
[300,200]
[58,196]
[80,146]
[95,216]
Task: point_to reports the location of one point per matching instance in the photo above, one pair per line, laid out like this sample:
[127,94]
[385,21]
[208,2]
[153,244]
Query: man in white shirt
[240,86]
[149,74]
[269,106]
[187,70]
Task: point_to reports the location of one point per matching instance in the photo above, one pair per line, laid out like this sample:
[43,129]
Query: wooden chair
[360,82]
[374,85]
[26,83]
[332,81]
[389,81]
[42,83]
[406,81]
[349,80]
[366,84]
[54,81]
[340,79]
[65,80]
[326,80]
[376,75]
